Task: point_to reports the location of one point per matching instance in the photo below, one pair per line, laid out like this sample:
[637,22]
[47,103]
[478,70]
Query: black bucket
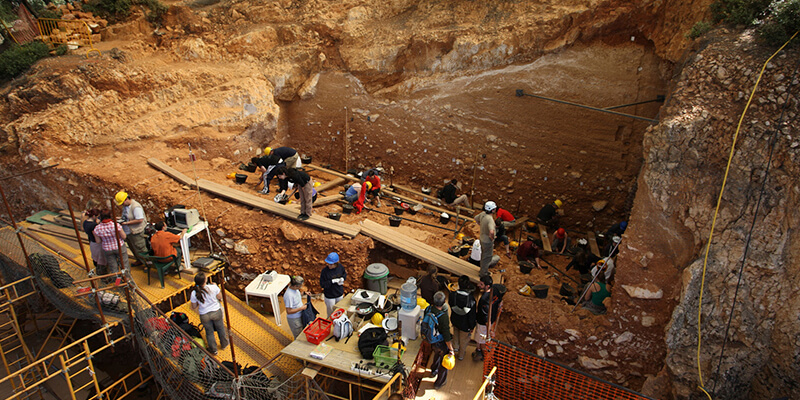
[241,178]
[352,172]
[566,290]
[525,267]
[399,210]
[305,160]
[468,240]
[454,251]
[411,210]
[347,209]
[395,221]
[540,291]
[334,216]
[445,218]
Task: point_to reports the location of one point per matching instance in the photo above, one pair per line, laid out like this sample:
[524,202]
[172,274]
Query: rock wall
[686,155]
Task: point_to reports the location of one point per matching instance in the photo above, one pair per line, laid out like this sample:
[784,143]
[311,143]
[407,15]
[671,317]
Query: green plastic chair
[162,265]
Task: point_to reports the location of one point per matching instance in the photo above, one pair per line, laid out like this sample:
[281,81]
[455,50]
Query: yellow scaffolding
[68,32]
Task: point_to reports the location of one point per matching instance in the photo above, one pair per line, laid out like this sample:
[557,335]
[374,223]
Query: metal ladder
[15,353]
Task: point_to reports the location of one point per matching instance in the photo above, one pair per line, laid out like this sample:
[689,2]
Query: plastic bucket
[305,159]
[566,289]
[394,221]
[540,291]
[454,251]
[347,209]
[334,216]
[241,178]
[376,274]
[411,210]
[464,250]
[525,267]
[444,218]
[399,210]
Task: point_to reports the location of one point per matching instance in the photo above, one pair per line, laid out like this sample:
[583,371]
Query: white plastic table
[197,228]
[272,290]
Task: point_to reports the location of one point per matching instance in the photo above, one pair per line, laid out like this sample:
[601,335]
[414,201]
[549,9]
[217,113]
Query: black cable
[773,144]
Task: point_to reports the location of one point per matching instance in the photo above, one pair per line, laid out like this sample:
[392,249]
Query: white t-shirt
[608,272]
[210,302]
[292,299]
[476,251]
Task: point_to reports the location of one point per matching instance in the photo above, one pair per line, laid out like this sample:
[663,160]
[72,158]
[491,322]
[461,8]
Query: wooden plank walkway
[545,239]
[327,200]
[593,243]
[439,258]
[331,184]
[287,211]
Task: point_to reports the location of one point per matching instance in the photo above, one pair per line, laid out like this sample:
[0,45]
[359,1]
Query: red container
[318,330]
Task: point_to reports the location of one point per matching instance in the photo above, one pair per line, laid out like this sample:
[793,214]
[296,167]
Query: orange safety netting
[522,375]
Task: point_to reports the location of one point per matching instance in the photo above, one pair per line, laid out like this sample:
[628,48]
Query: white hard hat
[616,239]
[489,206]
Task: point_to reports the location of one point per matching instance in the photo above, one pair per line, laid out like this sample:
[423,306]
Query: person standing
[90,220]
[163,243]
[486,305]
[429,284]
[444,345]
[106,233]
[486,221]
[294,305]
[332,281]
[303,184]
[462,314]
[133,222]
[205,299]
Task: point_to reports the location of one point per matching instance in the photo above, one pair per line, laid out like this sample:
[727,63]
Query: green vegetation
[775,20]
[18,59]
[699,29]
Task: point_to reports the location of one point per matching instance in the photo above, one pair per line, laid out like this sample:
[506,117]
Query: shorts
[480,334]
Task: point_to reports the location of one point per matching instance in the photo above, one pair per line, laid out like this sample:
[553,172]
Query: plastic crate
[385,356]
[318,330]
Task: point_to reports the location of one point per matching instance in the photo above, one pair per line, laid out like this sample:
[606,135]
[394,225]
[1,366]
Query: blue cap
[332,258]
[623,225]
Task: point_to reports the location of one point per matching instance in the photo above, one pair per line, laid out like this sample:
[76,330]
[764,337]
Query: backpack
[463,303]
[429,328]
[369,340]
[179,317]
[182,320]
[308,315]
[342,327]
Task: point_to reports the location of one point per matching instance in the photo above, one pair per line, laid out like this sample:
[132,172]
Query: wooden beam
[593,243]
[545,239]
[413,247]
[330,184]
[321,201]
[288,211]
[332,172]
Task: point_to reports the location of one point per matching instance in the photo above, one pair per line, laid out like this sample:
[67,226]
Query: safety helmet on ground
[582,242]
[121,197]
[558,203]
[398,345]
[317,184]
[460,236]
[513,244]
[560,233]
[449,361]
[623,225]
[616,239]
[267,150]
[232,175]
[377,318]
[332,258]
[489,206]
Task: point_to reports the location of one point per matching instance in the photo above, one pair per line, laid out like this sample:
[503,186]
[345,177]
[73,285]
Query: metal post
[228,322]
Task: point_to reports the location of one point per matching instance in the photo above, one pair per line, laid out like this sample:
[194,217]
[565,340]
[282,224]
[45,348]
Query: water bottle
[408,294]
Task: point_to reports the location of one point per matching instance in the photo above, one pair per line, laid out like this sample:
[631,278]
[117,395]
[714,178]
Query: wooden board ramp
[593,243]
[545,239]
[391,237]
[321,201]
[287,211]
[331,184]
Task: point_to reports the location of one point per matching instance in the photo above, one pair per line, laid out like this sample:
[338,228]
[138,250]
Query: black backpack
[182,320]
[463,303]
[369,340]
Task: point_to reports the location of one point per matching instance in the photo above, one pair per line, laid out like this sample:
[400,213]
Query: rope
[773,142]
[716,213]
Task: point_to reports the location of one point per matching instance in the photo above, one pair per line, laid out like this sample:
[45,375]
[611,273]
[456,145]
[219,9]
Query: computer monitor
[186,218]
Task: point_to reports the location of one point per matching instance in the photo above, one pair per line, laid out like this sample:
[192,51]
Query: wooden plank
[330,184]
[545,239]
[332,172]
[517,222]
[287,211]
[396,187]
[426,205]
[593,243]
[69,232]
[328,200]
[408,245]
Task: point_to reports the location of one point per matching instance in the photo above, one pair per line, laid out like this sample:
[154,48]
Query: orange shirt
[162,242]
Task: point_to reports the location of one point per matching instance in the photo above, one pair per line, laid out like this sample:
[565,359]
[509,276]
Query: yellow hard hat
[452,286]
[317,184]
[369,185]
[460,236]
[377,318]
[449,361]
[267,150]
[558,203]
[232,175]
[398,345]
[422,303]
[514,243]
[121,197]
[601,262]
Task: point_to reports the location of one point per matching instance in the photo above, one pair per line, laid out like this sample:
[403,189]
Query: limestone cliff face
[685,162]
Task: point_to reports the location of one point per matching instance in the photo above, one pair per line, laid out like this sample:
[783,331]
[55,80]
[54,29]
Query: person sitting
[548,215]
[617,229]
[561,241]
[505,217]
[529,251]
[500,235]
[612,248]
[597,292]
[607,266]
[448,195]
[374,192]
[362,197]
[163,243]
[583,261]
[351,194]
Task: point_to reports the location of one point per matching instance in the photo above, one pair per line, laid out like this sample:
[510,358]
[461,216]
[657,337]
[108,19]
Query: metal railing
[68,32]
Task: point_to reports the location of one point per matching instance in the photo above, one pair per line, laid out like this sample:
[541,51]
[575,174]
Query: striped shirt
[105,232]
